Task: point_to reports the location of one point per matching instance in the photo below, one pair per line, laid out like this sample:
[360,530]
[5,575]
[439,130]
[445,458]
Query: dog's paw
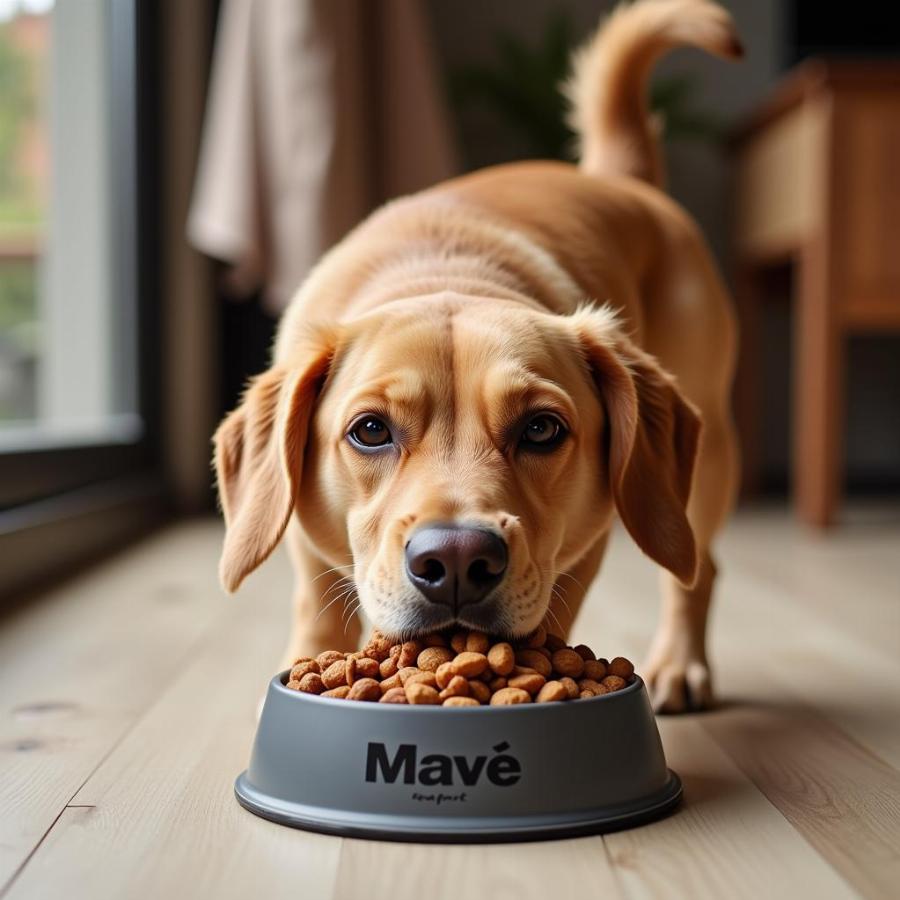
[678,681]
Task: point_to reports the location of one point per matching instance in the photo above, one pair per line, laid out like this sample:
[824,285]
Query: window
[75,385]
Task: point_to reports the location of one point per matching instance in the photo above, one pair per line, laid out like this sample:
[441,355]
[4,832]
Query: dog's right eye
[369,432]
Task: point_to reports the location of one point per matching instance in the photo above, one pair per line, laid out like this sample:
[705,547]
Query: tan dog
[472,384]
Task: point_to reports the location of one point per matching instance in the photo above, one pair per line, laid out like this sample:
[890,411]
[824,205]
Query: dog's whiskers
[572,577]
[339,585]
[329,571]
[352,614]
[558,593]
[343,595]
[349,600]
[348,592]
[562,601]
[555,619]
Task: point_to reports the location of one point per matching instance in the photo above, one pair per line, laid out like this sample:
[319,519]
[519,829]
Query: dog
[470,387]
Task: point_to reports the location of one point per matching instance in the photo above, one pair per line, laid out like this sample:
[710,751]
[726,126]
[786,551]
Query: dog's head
[463,453]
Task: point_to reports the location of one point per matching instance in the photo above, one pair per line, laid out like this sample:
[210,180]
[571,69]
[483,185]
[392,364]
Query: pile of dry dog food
[462,669]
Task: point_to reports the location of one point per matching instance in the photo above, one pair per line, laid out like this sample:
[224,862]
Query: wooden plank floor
[127,699]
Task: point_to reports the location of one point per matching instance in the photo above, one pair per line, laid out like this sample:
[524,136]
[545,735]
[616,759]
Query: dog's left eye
[369,432]
[543,432]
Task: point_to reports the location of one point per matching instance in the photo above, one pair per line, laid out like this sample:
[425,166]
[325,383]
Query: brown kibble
[418,694]
[293,685]
[568,662]
[462,668]
[327,658]
[458,687]
[524,670]
[461,701]
[302,666]
[470,665]
[366,667]
[407,671]
[479,690]
[311,683]
[336,674]
[594,668]
[621,667]
[530,683]
[378,647]
[536,660]
[367,689]
[338,693]
[394,695]
[510,696]
[388,667]
[421,677]
[613,683]
[377,653]
[552,692]
[431,657]
[409,653]
[390,683]
[554,642]
[444,673]
[501,658]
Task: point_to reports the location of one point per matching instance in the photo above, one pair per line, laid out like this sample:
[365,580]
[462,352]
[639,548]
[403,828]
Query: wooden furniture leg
[748,377]
[818,391]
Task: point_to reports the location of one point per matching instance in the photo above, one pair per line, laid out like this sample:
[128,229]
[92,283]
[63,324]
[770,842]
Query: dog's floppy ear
[258,458]
[652,441]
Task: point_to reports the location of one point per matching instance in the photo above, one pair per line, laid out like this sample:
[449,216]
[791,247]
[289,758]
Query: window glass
[67,360]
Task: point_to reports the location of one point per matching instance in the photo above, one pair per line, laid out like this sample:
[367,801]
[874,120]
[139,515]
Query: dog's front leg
[676,668]
[324,598]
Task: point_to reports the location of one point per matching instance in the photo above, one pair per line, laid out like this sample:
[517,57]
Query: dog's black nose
[455,564]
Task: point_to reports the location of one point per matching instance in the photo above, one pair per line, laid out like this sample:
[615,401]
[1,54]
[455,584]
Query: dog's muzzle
[455,565]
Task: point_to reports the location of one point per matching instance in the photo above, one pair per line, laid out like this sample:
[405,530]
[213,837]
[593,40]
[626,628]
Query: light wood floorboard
[128,698]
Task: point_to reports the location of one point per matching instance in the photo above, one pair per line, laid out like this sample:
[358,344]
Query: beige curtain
[318,111]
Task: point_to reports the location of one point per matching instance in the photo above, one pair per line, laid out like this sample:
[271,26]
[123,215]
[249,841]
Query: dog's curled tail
[608,86]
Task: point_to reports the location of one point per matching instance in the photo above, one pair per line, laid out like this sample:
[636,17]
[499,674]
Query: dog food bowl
[464,774]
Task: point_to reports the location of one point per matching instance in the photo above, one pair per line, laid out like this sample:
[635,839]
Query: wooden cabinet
[817,183]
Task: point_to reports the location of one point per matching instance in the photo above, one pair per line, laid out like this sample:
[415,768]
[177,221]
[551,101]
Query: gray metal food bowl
[464,774]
